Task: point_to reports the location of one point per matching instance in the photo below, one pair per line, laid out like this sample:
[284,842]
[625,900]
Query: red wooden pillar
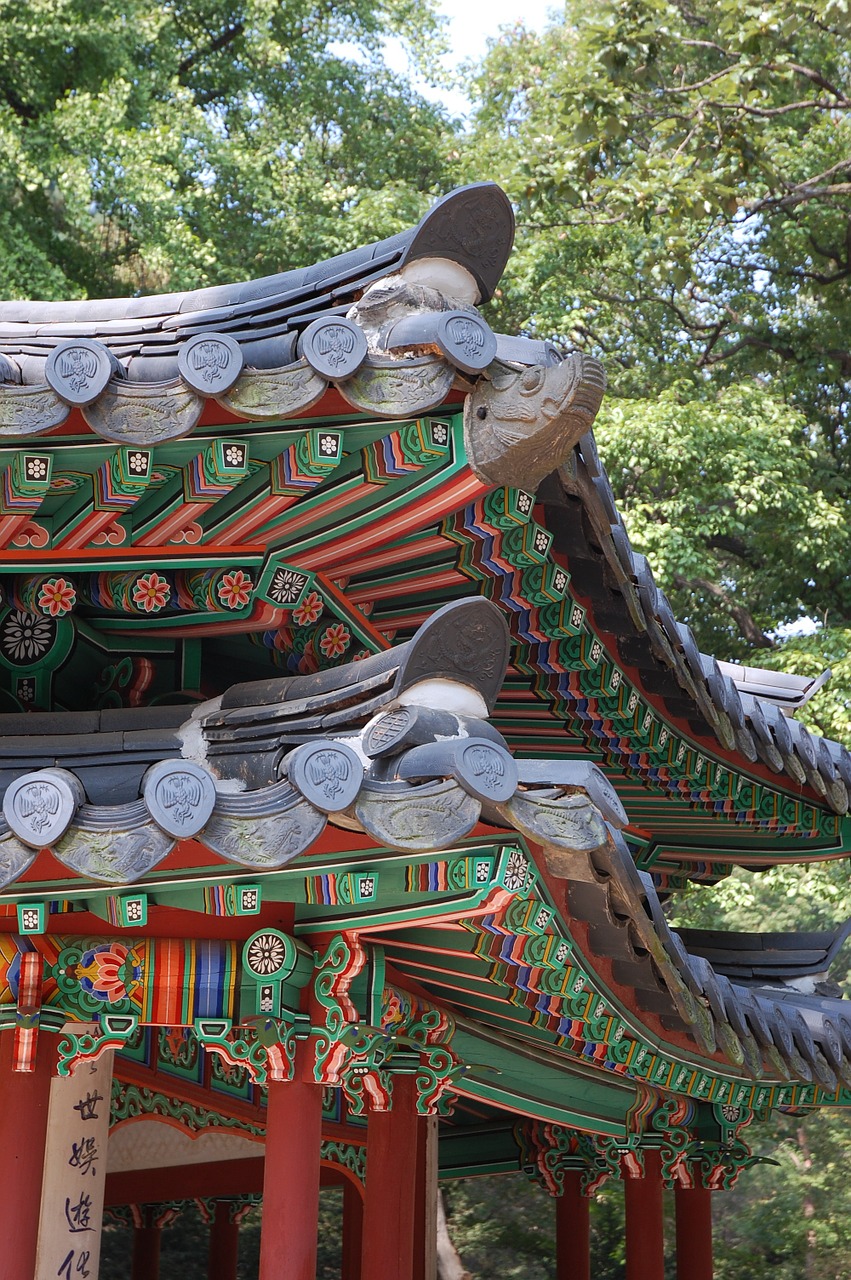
[223,1256]
[391,1186]
[146,1252]
[694,1233]
[288,1235]
[352,1231]
[24,1103]
[645,1240]
[573,1230]
[425,1209]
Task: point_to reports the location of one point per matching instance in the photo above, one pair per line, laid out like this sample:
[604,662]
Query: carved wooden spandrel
[519,425]
[144,413]
[275,393]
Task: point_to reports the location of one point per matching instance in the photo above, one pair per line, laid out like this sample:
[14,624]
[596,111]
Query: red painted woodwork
[573,1230]
[23,1131]
[352,1231]
[425,1209]
[645,1240]
[694,1233]
[146,1253]
[288,1237]
[391,1182]
[223,1256]
[211,1179]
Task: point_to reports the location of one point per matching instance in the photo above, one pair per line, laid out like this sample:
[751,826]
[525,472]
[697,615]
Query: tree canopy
[147,147]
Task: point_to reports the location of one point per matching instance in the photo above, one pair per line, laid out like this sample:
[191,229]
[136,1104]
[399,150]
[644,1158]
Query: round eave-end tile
[78,370]
[486,770]
[180,797]
[210,363]
[334,347]
[387,731]
[467,341]
[328,774]
[39,807]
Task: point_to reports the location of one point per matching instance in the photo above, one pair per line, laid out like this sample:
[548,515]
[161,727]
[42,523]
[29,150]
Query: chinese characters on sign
[75,1171]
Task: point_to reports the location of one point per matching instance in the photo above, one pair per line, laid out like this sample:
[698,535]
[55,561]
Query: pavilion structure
[348,754]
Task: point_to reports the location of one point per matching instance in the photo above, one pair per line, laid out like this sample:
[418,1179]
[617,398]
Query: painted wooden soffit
[400,747]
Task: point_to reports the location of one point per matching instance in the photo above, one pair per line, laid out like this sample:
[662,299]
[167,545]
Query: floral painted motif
[109,972]
[335,640]
[139,462]
[26,637]
[235,589]
[309,609]
[151,592]
[57,597]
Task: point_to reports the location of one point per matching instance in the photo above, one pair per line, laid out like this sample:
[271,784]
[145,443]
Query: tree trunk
[449,1265]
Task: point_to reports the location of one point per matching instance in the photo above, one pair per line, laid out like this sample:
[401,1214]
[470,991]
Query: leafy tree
[723,495]
[682,170]
[146,147]
[682,174]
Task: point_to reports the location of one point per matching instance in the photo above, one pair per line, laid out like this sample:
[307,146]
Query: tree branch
[215,46]
[753,634]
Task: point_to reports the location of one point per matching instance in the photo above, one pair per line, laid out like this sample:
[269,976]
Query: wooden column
[146,1253]
[288,1236]
[24,1103]
[573,1230]
[223,1255]
[352,1231]
[694,1233]
[645,1240]
[391,1184]
[425,1217]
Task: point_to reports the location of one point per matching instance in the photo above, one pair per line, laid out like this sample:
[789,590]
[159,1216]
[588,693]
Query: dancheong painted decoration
[348,753]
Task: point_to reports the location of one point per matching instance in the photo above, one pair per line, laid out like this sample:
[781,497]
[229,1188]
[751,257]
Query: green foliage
[681,172]
[682,175]
[723,496]
[150,147]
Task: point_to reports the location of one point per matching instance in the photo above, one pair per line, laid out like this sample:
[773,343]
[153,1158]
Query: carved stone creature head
[519,425]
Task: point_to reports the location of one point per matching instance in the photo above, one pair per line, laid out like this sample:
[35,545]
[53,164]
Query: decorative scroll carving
[431,816]
[397,388]
[275,393]
[113,843]
[30,410]
[144,413]
[263,828]
[90,1043]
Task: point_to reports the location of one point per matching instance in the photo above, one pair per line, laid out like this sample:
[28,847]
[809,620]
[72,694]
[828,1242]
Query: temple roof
[341,619]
